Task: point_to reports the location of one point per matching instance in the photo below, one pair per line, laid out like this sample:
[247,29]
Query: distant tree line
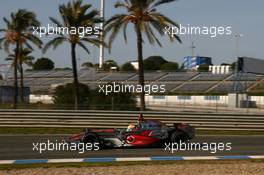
[151,63]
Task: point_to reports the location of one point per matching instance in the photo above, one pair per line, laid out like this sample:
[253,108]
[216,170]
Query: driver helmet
[130,127]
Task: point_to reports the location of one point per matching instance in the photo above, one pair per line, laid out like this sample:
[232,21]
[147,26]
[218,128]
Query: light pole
[102,15]
[193,48]
[237,37]
[238,73]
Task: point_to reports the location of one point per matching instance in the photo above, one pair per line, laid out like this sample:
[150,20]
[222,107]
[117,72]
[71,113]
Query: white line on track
[64,160]
[133,159]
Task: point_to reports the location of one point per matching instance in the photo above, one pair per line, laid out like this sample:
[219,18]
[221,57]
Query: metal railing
[120,119]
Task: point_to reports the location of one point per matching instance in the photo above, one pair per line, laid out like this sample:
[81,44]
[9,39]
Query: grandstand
[118,77]
[176,82]
[149,76]
[211,77]
[179,76]
[194,87]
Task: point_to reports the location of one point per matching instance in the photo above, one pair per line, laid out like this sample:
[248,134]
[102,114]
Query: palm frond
[158,26]
[6,46]
[150,30]
[160,2]
[7,22]
[28,60]
[148,34]
[163,19]
[54,43]
[55,21]
[83,47]
[92,14]
[116,27]
[113,18]
[94,41]
[121,4]
[28,45]
[10,57]
[35,40]
[3,30]
[85,7]
[125,31]
[177,38]
[1,41]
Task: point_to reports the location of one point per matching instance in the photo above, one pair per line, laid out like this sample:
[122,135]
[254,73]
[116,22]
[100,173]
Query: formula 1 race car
[146,133]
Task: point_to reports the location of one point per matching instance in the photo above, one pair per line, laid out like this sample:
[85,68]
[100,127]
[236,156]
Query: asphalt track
[21,147]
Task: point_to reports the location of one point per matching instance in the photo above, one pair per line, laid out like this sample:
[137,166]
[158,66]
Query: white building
[134,64]
[220,69]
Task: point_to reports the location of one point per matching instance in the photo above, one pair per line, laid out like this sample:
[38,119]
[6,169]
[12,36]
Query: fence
[120,119]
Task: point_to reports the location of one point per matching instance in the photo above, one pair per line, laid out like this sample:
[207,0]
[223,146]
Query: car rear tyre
[177,136]
[91,138]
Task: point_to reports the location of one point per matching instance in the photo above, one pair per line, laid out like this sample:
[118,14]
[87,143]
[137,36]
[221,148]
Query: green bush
[43,64]
[113,100]
[127,67]
[93,99]
[64,94]
[170,66]
[154,63]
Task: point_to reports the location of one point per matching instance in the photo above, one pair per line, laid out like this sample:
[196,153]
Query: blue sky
[245,17]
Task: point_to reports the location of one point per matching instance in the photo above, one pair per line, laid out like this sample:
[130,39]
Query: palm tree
[75,15]
[144,17]
[25,58]
[18,31]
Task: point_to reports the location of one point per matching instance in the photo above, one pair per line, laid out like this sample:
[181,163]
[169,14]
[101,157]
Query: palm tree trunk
[15,93]
[21,82]
[140,67]
[75,77]
[21,77]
